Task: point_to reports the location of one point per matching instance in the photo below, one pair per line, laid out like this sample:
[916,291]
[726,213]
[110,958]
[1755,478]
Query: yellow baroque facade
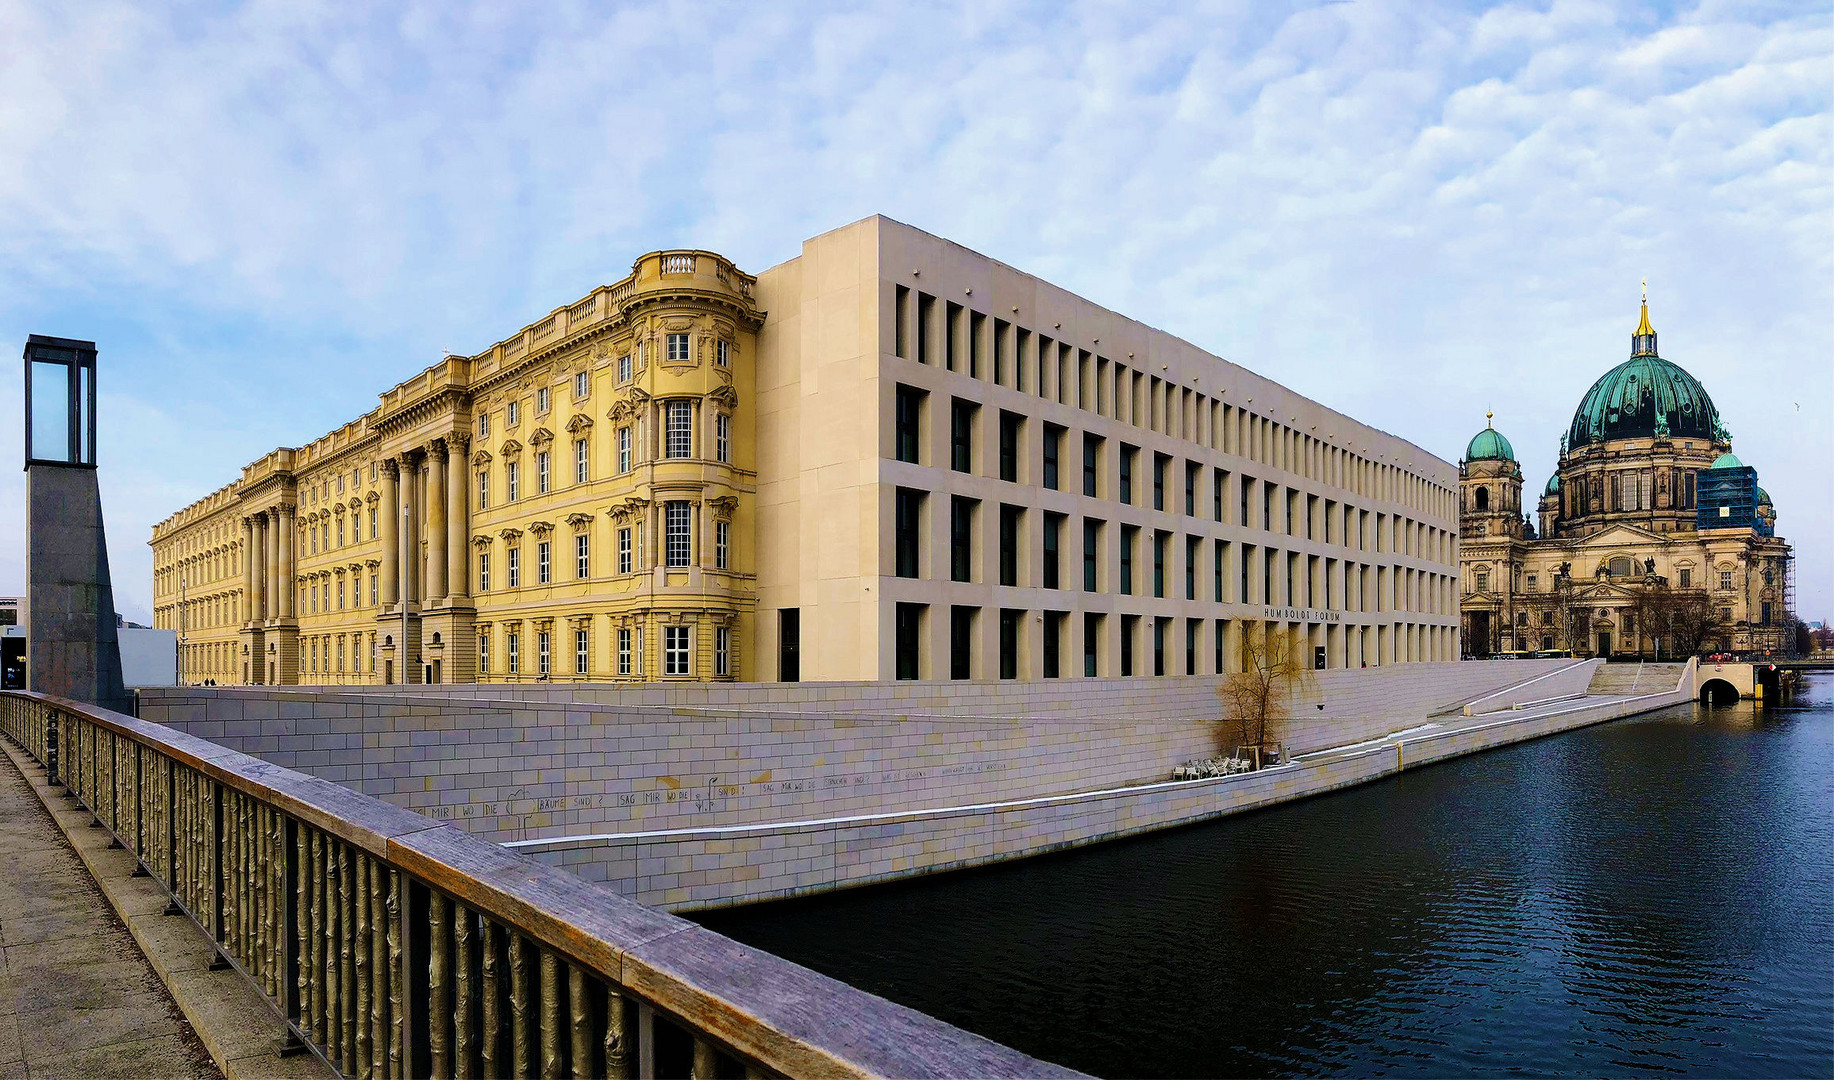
[888,457]
[572,503]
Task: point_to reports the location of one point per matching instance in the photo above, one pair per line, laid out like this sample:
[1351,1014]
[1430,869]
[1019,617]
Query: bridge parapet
[392,945]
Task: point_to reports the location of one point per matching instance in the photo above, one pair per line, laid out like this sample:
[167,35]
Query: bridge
[388,944]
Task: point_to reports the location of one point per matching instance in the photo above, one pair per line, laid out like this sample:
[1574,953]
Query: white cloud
[271,213]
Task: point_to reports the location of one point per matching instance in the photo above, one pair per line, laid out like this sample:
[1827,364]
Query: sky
[265,214]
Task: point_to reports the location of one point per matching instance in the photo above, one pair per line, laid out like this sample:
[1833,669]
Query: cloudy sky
[265,214]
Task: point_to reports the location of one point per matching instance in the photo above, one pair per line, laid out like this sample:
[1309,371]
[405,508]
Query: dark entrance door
[12,663]
[1477,635]
[1604,643]
[789,645]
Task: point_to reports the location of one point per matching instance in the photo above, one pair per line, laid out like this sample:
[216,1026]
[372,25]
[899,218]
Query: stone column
[390,512]
[289,573]
[436,522]
[458,564]
[404,551]
[274,581]
[248,570]
[257,562]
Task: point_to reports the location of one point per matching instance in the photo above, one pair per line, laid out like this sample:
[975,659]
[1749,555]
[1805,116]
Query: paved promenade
[77,997]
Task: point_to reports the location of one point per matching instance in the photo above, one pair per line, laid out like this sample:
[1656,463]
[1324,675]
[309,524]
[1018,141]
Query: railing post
[51,748]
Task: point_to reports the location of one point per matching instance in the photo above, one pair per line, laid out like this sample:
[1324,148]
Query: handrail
[393,945]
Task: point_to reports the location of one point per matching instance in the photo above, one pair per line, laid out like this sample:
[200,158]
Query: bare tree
[1275,673]
[1685,619]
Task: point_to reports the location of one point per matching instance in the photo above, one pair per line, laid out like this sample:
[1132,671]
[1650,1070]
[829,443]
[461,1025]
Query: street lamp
[182,614]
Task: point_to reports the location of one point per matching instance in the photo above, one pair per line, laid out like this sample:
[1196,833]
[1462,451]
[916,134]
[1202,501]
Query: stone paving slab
[77,997]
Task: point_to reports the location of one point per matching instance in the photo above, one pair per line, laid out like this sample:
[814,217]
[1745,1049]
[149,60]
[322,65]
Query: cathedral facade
[1651,538]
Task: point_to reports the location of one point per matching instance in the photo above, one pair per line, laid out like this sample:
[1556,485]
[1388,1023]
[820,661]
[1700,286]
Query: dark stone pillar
[74,651]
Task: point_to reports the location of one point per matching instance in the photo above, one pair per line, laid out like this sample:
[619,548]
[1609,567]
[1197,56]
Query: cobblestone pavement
[77,997]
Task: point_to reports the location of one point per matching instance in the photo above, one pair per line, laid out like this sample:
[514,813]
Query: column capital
[391,468]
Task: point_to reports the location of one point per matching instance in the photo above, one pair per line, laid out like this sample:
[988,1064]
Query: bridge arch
[1718,692]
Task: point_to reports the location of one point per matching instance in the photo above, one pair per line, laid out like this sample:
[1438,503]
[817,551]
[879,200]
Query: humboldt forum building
[887,458]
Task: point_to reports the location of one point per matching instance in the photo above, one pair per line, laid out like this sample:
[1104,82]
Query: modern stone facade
[889,457]
[1650,539]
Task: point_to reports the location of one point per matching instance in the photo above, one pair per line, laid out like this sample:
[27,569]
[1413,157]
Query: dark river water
[1651,896]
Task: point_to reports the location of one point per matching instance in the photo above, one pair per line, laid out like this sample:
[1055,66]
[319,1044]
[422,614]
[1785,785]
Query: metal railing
[393,946]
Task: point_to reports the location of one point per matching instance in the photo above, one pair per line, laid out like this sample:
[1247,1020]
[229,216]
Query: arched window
[1620,566]
[1483,498]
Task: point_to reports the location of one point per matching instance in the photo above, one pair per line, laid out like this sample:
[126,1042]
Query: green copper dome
[1726,460]
[1489,445]
[1645,397]
[1764,498]
[1553,485]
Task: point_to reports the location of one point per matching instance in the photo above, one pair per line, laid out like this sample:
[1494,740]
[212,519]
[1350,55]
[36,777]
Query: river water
[1650,896]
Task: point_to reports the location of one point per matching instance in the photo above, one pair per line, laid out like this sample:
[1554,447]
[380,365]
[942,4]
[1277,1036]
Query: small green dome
[1764,498]
[1489,445]
[1644,397]
[1726,461]
[1553,485]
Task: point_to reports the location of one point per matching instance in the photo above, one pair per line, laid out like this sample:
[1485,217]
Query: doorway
[789,645]
[1604,644]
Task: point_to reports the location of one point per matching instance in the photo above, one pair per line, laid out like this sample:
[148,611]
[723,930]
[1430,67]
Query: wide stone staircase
[1628,680]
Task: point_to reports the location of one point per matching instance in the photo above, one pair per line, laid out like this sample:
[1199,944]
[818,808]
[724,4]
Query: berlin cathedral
[1651,538]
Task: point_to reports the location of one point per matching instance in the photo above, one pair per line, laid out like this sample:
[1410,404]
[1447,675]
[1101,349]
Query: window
[722,438]
[483,433]
[677,543]
[375,577]
[961,642]
[1092,640]
[961,435]
[340,530]
[372,517]
[483,576]
[1130,629]
[1534,583]
[1159,645]
[624,650]
[1687,579]
[581,467]
[512,654]
[961,538]
[1128,454]
[483,654]
[674,650]
[314,607]
[1482,580]
[907,637]
[541,473]
[582,383]
[1217,584]
[543,563]
[1053,644]
[542,653]
[512,475]
[340,594]
[582,556]
[1191,470]
[1159,539]
[1159,463]
[1129,538]
[1092,455]
[680,423]
[909,423]
[624,552]
[722,647]
[1053,446]
[1191,547]
[483,498]
[1053,528]
[722,545]
[623,450]
[624,377]
[1009,642]
[1011,517]
[582,656]
[722,355]
[509,414]
[678,348]
[541,399]
[908,512]
[1725,579]
[1092,543]
[515,567]
[1010,426]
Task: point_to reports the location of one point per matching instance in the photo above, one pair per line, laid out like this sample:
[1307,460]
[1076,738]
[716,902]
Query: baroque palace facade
[889,457]
[1652,537]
